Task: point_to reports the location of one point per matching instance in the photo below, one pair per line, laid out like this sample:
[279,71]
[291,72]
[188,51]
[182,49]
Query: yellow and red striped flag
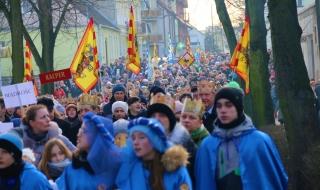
[28,68]
[133,63]
[85,63]
[240,59]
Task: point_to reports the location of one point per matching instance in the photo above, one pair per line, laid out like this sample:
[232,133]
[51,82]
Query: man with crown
[191,119]
[206,90]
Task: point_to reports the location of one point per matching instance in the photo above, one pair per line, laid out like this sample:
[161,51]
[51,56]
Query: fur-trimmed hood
[175,157]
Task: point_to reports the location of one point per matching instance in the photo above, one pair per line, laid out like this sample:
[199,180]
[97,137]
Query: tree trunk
[318,20]
[297,101]
[47,39]
[15,21]
[226,23]
[259,83]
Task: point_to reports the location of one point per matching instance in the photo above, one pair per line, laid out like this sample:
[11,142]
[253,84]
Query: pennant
[133,63]
[28,68]
[187,59]
[239,62]
[85,63]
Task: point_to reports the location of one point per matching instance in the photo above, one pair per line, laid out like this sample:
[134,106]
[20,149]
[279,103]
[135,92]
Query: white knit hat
[120,104]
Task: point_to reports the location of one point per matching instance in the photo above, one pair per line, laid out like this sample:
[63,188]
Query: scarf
[199,134]
[56,169]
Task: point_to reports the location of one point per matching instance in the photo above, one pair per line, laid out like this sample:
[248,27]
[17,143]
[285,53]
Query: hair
[2,103]
[46,155]
[156,168]
[31,113]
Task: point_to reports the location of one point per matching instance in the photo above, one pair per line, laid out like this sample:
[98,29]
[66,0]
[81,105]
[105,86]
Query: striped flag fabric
[133,63]
[85,64]
[239,62]
[28,67]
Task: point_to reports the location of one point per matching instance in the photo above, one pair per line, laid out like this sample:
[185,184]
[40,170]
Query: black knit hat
[162,108]
[234,95]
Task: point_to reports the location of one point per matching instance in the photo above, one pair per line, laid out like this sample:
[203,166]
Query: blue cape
[260,164]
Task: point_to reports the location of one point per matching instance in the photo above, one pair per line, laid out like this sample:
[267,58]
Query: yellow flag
[28,67]
[133,63]
[240,59]
[85,63]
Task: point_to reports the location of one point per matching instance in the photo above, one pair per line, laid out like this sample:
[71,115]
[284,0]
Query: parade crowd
[171,128]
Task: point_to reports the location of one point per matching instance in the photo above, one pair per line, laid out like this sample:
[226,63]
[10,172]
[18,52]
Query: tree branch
[5,10]
[65,8]
[34,6]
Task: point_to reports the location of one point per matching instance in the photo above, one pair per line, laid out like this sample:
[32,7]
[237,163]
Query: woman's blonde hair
[46,155]
[31,113]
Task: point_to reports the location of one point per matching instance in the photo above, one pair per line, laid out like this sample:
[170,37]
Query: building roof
[89,10]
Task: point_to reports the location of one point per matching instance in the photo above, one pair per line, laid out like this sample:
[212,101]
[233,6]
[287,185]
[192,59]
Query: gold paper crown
[163,99]
[205,86]
[87,99]
[193,106]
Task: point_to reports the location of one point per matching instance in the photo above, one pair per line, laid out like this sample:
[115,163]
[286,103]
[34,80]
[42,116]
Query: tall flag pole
[239,62]
[133,63]
[85,63]
[28,67]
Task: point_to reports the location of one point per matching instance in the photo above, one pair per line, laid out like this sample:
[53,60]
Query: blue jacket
[133,176]
[80,179]
[31,178]
[260,164]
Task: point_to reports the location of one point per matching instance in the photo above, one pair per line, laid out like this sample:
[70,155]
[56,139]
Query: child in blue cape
[96,163]
[15,173]
[150,163]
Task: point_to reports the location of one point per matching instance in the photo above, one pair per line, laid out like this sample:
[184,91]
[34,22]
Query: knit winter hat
[120,104]
[153,129]
[235,95]
[71,105]
[120,126]
[13,144]
[117,88]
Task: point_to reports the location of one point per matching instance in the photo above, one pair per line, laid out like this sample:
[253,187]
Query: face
[71,112]
[119,96]
[10,111]
[226,111]
[135,107]
[190,121]
[84,109]
[142,146]
[82,139]
[207,99]
[6,158]
[121,139]
[56,154]
[119,113]
[41,123]
[164,120]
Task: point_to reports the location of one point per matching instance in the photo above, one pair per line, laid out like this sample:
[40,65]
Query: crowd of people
[185,128]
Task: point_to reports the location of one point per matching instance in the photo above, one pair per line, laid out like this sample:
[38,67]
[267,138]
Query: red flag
[28,68]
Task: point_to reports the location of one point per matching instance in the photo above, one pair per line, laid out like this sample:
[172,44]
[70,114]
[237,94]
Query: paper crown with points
[87,99]
[193,106]
[163,99]
[205,86]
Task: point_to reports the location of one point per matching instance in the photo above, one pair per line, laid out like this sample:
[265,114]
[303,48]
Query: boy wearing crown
[88,103]
[206,90]
[191,119]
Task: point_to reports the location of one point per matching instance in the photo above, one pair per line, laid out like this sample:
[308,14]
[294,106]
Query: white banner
[18,95]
